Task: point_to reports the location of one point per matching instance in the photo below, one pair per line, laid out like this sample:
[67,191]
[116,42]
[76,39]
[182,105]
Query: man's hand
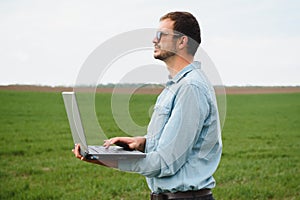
[107,163]
[134,143]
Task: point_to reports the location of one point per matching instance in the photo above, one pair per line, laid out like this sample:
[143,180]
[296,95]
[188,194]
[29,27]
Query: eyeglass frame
[159,34]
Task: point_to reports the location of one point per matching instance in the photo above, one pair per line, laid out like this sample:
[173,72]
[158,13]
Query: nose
[155,41]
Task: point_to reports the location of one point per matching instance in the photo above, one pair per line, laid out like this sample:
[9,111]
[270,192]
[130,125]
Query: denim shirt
[183,141]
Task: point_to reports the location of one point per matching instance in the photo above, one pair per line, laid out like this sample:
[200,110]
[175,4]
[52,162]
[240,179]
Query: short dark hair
[186,24]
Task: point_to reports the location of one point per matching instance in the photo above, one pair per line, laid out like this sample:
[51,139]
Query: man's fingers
[77,154]
[76,151]
[107,143]
[126,142]
[111,141]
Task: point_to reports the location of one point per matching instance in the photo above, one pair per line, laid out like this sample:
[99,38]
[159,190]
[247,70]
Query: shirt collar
[183,72]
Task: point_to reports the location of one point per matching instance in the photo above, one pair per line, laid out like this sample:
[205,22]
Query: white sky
[46,42]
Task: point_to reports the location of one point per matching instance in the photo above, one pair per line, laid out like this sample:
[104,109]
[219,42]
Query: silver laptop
[78,134]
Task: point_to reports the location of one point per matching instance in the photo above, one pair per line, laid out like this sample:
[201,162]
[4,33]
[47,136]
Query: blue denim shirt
[183,141]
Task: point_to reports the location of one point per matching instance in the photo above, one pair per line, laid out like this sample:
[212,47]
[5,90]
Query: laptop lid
[78,134]
[75,121]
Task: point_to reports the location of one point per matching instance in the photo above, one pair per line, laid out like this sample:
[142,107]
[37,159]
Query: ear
[182,42]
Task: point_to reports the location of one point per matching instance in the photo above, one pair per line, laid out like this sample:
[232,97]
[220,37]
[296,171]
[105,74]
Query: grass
[261,148]
[260,159]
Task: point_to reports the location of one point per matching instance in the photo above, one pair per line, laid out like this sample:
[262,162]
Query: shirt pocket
[158,121]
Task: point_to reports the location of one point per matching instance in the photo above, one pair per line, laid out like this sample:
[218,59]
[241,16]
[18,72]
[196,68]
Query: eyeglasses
[159,34]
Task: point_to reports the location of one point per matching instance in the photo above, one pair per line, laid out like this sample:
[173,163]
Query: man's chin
[157,56]
[163,56]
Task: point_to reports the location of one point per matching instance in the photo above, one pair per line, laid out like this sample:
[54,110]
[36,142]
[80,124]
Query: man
[183,142]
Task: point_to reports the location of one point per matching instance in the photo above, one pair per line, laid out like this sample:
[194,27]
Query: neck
[176,63]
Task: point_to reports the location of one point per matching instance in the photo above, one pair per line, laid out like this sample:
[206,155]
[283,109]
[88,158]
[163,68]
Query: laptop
[78,134]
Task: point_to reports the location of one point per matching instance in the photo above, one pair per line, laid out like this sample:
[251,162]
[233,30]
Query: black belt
[181,195]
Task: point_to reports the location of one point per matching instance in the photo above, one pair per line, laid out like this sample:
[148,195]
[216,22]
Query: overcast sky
[253,42]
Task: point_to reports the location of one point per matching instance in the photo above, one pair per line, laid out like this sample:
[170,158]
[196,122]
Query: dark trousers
[204,194]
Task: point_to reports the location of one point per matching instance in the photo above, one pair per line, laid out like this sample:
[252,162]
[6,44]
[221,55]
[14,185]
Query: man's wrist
[140,143]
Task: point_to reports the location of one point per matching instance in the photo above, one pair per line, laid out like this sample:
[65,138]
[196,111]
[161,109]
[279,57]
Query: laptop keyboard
[101,149]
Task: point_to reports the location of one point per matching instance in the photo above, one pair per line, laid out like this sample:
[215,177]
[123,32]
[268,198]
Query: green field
[261,139]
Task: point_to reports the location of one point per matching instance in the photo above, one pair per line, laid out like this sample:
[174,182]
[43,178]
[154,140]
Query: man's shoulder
[195,78]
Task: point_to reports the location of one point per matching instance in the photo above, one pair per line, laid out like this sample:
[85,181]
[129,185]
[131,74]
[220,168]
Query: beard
[164,55]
